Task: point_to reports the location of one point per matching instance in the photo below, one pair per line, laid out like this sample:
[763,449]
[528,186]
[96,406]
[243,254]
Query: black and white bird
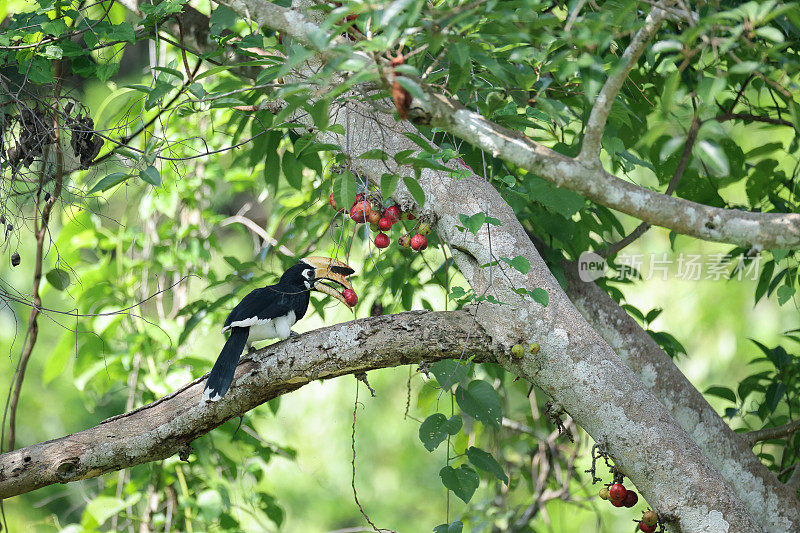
[271,311]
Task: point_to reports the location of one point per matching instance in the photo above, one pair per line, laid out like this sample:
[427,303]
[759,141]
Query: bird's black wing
[262,304]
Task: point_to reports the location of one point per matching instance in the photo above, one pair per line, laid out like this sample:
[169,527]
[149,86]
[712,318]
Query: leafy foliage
[197,146]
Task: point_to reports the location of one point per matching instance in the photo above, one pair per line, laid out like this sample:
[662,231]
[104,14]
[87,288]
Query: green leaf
[411,86]
[540,296]
[401,156]
[151,176]
[448,372]
[375,153]
[771,34]
[174,72]
[222,18]
[320,114]
[481,402]
[784,294]
[272,160]
[653,314]
[344,191]
[463,481]
[122,32]
[388,184]
[518,263]
[292,170]
[474,222]
[455,527]
[56,364]
[101,508]
[435,429]
[58,278]
[750,384]
[555,199]
[420,141]
[715,157]
[722,392]
[414,188]
[486,462]
[773,396]
[109,181]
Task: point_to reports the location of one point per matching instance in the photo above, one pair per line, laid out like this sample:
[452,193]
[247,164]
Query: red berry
[419,242]
[280,38]
[616,503]
[650,518]
[381,240]
[384,224]
[350,297]
[374,217]
[631,499]
[616,492]
[392,213]
[360,212]
[647,528]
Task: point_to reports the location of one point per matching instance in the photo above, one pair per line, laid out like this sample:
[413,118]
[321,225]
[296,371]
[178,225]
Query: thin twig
[753,437]
[353,462]
[41,231]
[747,117]
[691,137]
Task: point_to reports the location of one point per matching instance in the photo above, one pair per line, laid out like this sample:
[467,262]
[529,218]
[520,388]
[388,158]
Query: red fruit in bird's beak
[350,297]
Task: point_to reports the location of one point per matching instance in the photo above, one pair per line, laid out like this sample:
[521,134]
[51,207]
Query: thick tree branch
[167,426]
[596,125]
[763,230]
[575,365]
[770,502]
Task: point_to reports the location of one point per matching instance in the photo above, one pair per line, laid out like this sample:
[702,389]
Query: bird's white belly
[274,328]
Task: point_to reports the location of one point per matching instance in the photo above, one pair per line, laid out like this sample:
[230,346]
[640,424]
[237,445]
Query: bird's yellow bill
[333,270]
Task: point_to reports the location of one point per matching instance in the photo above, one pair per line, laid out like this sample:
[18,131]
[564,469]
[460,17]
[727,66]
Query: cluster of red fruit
[619,496]
[381,220]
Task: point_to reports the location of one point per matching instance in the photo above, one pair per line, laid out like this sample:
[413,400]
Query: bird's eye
[308,274]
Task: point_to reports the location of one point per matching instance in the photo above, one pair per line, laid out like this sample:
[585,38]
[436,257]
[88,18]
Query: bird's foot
[250,349]
[293,334]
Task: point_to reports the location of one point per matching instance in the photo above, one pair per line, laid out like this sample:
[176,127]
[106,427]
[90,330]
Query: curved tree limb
[748,229]
[167,426]
[575,366]
[596,125]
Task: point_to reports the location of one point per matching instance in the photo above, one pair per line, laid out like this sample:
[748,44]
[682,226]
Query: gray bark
[167,426]
[774,504]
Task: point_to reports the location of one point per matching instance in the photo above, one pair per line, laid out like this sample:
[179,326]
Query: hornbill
[271,311]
